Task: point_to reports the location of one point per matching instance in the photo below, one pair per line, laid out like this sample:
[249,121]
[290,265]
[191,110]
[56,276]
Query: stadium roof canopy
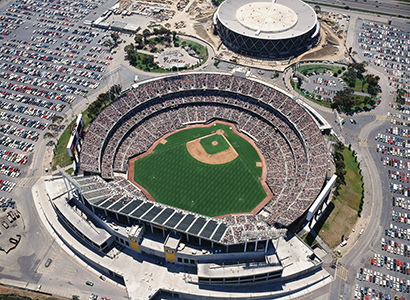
[101,196]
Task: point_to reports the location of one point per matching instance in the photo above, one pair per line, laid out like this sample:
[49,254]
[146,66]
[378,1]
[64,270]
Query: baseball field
[173,176]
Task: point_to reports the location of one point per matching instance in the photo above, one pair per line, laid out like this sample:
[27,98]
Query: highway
[378,7]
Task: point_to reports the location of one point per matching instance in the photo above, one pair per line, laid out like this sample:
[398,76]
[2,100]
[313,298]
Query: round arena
[265,28]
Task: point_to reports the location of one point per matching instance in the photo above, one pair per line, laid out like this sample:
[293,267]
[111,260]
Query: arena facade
[272,29]
[284,132]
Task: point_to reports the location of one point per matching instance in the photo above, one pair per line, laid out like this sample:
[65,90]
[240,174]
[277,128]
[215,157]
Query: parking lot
[325,85]
[49,61]
[387,272]
[11,224]
[386,47]
[177,57]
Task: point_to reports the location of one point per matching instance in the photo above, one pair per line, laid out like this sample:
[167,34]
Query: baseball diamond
[214,143]
[172,176]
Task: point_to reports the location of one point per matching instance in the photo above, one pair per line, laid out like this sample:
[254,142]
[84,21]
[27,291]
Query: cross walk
[27,181]
[363,143]
[342,272]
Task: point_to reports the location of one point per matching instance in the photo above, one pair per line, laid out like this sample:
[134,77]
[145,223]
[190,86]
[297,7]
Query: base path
[196,150]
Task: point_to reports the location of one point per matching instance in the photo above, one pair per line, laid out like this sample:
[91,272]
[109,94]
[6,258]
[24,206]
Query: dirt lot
[32,295]
[341,219]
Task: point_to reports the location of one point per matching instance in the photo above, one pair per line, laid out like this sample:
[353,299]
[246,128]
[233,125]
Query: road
[382,7]
[377,211]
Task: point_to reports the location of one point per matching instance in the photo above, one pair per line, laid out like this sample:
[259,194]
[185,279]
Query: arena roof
[267,19]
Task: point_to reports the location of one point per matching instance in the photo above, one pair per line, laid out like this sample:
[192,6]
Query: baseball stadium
[192,167]
[265,28]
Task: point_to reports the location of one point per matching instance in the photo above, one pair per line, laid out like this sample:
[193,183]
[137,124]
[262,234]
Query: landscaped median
[347,203]
[161,39]
[359,93]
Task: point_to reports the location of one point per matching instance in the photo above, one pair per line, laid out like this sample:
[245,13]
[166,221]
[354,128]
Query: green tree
[146,33]
[115,91]
[359,68]
[48,135]
[400,96]
[351,76]
[52,126]
[57,119]
[340,165]
[372,80]
[372,90]
[147,59]
[115,37]
[339,146]
[132,54]
[75,297]
[139,41]
[108,43]
[151,44]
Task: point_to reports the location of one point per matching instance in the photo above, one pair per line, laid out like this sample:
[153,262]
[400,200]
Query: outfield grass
[173,177]
[206,143]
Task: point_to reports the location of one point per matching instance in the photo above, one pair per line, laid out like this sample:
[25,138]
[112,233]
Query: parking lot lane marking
[383,118]
[68,273]
[54,265]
